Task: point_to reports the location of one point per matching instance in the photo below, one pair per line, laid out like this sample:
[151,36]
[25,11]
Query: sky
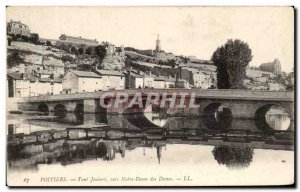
[196,31]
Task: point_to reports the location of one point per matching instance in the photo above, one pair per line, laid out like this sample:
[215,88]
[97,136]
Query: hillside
[21,54]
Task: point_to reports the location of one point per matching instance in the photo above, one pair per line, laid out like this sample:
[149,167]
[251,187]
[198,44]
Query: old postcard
[150,96]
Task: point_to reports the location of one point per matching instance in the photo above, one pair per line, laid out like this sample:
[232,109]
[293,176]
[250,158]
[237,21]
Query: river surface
[212,161]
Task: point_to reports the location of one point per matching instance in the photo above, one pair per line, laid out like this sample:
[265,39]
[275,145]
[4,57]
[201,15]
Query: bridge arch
[60,110]
[217,116]
[261,120]
[43,107]
[79,108]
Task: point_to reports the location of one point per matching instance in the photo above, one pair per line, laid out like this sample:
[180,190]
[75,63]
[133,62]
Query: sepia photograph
[150,96]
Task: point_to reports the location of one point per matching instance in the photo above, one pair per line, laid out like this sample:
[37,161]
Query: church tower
[158,48]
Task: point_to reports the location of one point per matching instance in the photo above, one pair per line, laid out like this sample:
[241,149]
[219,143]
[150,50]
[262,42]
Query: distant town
[38,66]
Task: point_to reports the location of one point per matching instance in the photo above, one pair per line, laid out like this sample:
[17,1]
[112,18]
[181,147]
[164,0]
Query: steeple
[158,48]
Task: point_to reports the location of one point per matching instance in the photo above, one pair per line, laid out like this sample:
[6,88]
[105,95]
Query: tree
[14,59]
[84,67]
[65,58]
[231,60]
[233,157]
[74,50]
[80,50]
[34,38]
[48,43]
[172,63]
[89,50]
[100,51]
[65,48]
[25,38]
[17,37]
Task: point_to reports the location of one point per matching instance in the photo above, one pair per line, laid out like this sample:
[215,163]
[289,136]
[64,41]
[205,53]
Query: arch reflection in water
[217,116]
[43,107]
[60,111]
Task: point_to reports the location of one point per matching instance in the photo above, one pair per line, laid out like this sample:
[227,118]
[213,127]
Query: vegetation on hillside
[14,59]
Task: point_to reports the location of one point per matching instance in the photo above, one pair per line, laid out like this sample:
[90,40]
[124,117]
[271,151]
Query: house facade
[111,80]
[18,28]
[81,81]
[25,85]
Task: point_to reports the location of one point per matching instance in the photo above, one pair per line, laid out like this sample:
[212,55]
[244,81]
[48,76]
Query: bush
[89,50]
[34,38]
[74,50]
[48,43]
[14,59]
[25,38]
[65,58]
[80,50]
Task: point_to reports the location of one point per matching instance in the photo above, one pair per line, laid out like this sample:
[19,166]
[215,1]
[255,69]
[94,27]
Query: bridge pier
[89,106]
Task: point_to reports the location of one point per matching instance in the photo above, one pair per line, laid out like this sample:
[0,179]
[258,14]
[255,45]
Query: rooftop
[86,74]
[18,22]
[15,75]
[19,76]
[43,72]
[73,37]
[110,72]
[56,80]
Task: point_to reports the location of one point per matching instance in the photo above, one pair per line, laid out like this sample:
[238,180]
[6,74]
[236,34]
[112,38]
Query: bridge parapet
[208,93]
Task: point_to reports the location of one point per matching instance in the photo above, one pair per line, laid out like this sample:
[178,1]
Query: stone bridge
[241,103]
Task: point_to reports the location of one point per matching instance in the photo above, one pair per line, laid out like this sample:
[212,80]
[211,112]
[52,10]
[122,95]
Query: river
[232,151]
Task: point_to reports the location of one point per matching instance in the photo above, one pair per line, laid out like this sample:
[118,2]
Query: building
[276,87]
[273,67]
[114,58]
[81,81]
[111,80]
[76,41]
[42,73]
[160,54]
[17,85]
[133,80]
[18,28]
[25,85]
[157,47]
[160,82]
[253,73]
[197,78]
[45,86]
[148,80]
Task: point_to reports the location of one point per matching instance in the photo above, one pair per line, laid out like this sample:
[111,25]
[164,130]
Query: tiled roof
[15,75]
[110,72]
[86,74]
[56,80]
[30,77]
[43,72]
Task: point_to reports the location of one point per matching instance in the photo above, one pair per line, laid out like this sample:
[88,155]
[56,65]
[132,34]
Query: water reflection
[233,157]
[71,150]
[34,140]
